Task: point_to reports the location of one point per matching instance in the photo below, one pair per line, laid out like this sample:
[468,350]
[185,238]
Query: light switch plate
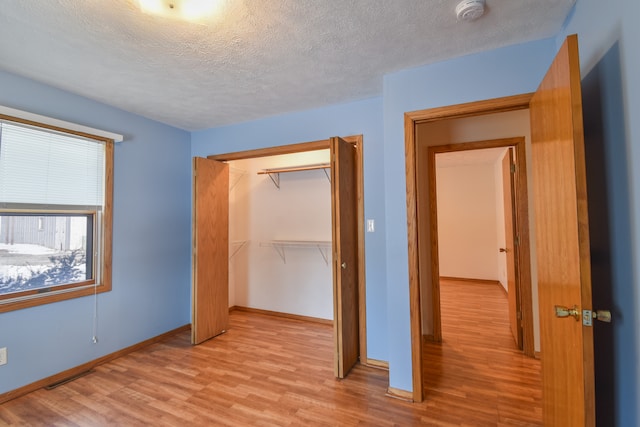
[371,226]
[3,356]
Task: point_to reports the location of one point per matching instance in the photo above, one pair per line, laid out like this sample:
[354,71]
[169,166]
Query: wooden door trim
[469,109]
[411,119]
[357,141]
[522,227]
[277,150]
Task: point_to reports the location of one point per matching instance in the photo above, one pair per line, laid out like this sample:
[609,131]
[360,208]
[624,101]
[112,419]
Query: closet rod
[295,168]
[274,173]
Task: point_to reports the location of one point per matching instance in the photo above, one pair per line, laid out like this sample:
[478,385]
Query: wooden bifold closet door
[210,288]
[345,249]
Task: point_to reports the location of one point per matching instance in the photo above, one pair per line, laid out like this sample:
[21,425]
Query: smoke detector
[470,10]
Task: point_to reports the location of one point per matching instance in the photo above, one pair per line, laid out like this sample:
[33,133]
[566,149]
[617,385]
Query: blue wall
[631,77]
[362,117]
[151,244]
[502,72]
[508,71]
[610,60]
[152,198]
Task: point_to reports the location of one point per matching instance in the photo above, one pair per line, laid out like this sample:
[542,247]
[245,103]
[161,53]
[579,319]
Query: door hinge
[516,240]
[519,315]
[513,168]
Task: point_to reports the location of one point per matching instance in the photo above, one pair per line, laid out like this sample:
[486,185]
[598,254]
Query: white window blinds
[42,167]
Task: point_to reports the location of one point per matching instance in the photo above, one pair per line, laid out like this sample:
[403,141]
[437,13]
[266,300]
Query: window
[55,213]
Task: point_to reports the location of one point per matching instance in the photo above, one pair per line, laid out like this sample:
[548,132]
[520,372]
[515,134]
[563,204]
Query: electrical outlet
[3,356]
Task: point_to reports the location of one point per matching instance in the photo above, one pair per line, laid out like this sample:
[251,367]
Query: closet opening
[280,235]
[294,240]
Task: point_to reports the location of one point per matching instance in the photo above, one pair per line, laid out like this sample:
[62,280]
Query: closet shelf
[274,173]
[236,245]
[280,245]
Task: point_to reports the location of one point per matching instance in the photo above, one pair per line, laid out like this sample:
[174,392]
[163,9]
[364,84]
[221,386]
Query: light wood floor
[477,376]
[272,371]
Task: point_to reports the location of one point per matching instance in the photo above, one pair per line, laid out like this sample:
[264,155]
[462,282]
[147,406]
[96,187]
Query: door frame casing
[523,260]
[411,119]
[302,147]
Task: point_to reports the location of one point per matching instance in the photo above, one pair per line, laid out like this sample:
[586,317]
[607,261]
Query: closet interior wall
[296,278]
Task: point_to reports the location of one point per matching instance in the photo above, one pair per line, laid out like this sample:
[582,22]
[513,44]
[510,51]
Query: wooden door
[345,255]
[562,242]
[210,287]
[513,291]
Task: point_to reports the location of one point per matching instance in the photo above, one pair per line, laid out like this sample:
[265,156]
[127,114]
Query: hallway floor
[477,376]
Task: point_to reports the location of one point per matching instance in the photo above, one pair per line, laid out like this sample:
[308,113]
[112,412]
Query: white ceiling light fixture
[470,10]
[188,10]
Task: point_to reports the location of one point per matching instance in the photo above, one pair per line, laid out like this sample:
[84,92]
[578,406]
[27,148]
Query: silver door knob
[602,315]
[343,265]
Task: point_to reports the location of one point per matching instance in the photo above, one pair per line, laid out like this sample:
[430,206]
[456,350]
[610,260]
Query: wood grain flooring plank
[271,371]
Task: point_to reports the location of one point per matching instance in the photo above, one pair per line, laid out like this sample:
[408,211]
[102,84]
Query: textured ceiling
[256,58]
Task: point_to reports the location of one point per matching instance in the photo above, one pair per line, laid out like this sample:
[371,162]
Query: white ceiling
[257,58]
[469,157]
